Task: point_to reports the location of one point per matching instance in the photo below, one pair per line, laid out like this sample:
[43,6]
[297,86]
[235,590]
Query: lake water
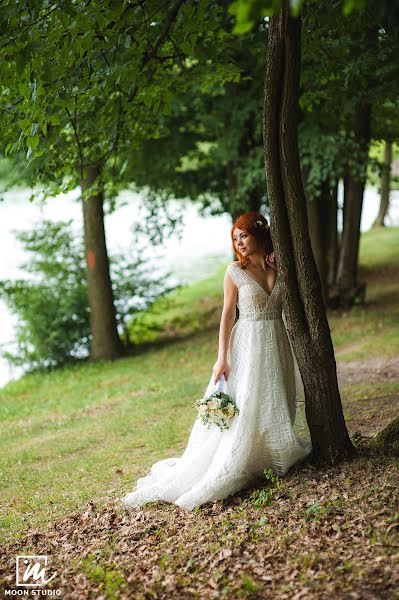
[204,243]
[205,240]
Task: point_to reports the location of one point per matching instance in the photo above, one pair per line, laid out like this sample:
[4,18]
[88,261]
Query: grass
[379,248]
[110,580]
[372,330]
[364,331]
[69,434]
[185,311]
[87,432]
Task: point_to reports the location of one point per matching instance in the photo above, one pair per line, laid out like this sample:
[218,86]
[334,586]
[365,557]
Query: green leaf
[20,62]
[351,5]
[24,90]
[249,12]
[54,119]
[33,141]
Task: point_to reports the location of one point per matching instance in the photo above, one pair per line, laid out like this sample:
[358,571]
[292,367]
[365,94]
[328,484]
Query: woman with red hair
[258,370]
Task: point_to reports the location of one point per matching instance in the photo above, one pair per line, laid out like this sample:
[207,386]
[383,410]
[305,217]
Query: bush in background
[51,303]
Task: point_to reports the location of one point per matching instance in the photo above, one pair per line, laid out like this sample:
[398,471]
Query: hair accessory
[261,225]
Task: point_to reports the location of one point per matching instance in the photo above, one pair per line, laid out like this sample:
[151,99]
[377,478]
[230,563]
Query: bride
[260,374]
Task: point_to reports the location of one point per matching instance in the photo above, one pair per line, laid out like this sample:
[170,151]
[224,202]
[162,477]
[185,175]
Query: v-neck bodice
[253,301]
[257,282]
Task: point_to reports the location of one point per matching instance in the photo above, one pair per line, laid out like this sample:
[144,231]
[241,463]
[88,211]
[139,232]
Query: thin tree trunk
[385,186]
[254,201]
[105,344]
[303,302]
[348,260]
[247,143]
[332,252]
[345,204]
[318,214]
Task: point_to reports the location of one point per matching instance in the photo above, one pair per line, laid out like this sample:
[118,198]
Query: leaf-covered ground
[331,533]
[324,534]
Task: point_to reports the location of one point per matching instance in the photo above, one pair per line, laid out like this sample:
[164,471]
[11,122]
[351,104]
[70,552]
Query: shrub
[51,303]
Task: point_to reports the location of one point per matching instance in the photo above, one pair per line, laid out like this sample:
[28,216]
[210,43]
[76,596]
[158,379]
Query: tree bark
[385,186]
[254,201]
[105,344]
[347,285]
[302,294]
[332,252]
[318,214]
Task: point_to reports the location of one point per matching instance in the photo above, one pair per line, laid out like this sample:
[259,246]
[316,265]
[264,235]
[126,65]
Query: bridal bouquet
[219,408]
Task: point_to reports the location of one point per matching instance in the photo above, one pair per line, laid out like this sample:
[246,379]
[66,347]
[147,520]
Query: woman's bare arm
[226,325]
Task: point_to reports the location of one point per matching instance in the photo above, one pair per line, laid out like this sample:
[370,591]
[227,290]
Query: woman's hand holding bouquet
[218,409]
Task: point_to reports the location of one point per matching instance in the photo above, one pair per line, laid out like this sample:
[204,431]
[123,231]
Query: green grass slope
[89,431]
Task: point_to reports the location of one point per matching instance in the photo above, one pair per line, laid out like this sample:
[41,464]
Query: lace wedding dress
[270,430]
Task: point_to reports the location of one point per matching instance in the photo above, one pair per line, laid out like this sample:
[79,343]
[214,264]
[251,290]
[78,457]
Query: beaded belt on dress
[259,315]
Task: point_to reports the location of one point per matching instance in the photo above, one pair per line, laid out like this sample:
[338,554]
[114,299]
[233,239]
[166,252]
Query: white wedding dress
[270,430]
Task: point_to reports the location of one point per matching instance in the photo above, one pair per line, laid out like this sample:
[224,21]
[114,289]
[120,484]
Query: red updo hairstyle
[257,226]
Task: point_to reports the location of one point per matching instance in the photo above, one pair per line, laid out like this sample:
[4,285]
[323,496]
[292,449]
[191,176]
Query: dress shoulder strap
[235,273]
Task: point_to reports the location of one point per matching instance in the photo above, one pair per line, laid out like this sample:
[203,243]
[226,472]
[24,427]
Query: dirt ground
[373,370]
[370,414]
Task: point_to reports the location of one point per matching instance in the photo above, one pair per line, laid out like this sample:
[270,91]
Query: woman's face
[244,242]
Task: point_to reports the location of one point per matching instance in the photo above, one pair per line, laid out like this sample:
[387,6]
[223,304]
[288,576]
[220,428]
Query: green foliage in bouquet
[218,409]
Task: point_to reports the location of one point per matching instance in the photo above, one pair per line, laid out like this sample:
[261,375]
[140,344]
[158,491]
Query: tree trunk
[105,343]
[332,252]
[254,200]
[253,203]
[302,295]
[317,211]
[385,186]
[347,285]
